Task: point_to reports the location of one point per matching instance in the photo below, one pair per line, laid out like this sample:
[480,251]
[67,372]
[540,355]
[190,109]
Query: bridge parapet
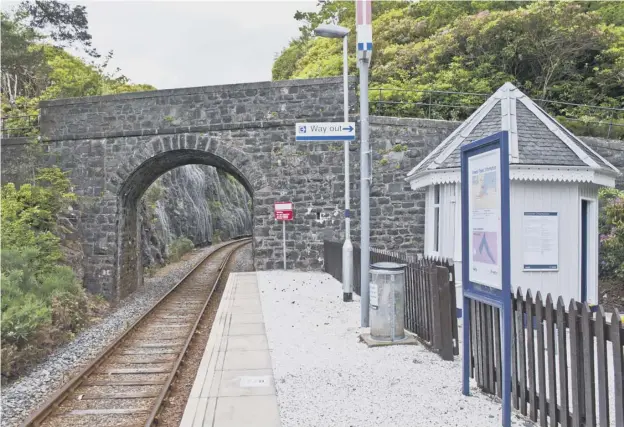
[143,113]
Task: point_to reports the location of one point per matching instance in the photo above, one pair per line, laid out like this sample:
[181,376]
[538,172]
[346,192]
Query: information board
[540,241]
[484,218]
[486,274]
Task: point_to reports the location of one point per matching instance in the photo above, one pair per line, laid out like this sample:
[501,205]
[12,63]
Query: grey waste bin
[387,301]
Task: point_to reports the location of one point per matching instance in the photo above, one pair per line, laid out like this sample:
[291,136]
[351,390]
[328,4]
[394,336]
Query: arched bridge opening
[115,146]
[129,260]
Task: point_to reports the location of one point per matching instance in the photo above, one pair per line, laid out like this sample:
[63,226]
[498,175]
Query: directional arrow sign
[329,131]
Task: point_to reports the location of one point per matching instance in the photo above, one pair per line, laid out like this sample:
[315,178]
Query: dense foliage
[557,51]
[36,67]
[612,234]
[42,302]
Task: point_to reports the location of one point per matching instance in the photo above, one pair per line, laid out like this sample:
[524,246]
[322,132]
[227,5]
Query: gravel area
[326,377]
[243,260]
[25,394]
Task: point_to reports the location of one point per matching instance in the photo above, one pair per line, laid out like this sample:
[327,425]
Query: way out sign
[328,131]
[283,211]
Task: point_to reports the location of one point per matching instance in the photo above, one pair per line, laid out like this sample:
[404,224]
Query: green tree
[560,51]
[22,62]
[61,24]
[36,67]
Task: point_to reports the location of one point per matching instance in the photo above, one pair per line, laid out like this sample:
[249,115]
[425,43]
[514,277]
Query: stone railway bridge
[115,146]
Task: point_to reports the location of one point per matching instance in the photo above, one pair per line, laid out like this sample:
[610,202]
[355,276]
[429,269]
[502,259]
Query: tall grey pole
[347,248]
[365,177]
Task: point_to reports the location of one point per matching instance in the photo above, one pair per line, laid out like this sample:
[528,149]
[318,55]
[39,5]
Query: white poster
[373,295]
[484,219]
[540,240]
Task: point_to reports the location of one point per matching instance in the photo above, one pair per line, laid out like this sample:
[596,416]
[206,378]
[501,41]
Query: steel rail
[58,397]
[157,407]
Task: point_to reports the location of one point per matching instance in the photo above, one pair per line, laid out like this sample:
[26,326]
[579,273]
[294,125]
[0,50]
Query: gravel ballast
[326,377]
[27,393]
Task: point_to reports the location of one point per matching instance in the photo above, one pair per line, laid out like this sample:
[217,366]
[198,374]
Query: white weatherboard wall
[448,202]
[564,198]
[450,221]
[528,196]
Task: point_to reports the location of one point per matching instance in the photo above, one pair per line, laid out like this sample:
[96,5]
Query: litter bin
[387,301]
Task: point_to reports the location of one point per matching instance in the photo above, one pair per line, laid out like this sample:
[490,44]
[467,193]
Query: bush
[23,317]
[40,308]
[42,302]
[179,247]
[611,224]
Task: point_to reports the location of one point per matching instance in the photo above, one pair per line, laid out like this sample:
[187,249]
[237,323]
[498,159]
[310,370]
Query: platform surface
[285,351]
[234,386]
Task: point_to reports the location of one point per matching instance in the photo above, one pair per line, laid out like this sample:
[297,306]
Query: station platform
[285,350]
[234,384]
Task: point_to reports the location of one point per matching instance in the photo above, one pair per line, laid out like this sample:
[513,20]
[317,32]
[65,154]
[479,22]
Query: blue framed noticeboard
[486,273]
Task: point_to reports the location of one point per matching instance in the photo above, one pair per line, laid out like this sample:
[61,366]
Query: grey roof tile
[537,145]
[442,146]
[490,124]
[578,142]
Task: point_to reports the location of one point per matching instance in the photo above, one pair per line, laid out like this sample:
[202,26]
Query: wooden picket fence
[430,307]
[567,366]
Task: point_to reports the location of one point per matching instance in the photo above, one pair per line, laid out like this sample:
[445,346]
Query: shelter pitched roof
[535,138]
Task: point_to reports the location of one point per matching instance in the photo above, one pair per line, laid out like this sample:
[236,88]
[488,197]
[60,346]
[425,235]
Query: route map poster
[485,219]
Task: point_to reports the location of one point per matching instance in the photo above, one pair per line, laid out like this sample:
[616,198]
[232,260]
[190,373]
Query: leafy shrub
[69,311]
[568,52]
[42,302]
[23,317]
[611,224]
[179,247]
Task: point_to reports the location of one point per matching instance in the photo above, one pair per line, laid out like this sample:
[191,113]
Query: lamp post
[364,32]
[338,32]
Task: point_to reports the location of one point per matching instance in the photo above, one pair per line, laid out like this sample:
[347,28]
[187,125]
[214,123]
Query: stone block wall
[19,160]
[114,147]
[191,109]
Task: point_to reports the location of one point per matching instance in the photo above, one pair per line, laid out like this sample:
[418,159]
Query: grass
[179,247]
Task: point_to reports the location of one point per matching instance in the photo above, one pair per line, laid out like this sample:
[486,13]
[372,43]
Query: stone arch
[149,161]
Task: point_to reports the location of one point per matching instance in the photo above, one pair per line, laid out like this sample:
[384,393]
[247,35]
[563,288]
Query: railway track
[127,383]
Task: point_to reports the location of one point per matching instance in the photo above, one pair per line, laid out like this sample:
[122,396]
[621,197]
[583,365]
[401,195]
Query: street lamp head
[331,31]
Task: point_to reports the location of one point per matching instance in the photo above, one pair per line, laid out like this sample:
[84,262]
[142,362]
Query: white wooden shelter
[555,179]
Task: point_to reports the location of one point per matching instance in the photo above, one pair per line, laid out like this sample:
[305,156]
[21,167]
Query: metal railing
[582,119]
[19,126]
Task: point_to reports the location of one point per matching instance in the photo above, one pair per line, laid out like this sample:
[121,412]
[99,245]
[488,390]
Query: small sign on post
[328,131]
[283,212]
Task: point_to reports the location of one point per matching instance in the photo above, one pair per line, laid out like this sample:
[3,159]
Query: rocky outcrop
[199,202]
